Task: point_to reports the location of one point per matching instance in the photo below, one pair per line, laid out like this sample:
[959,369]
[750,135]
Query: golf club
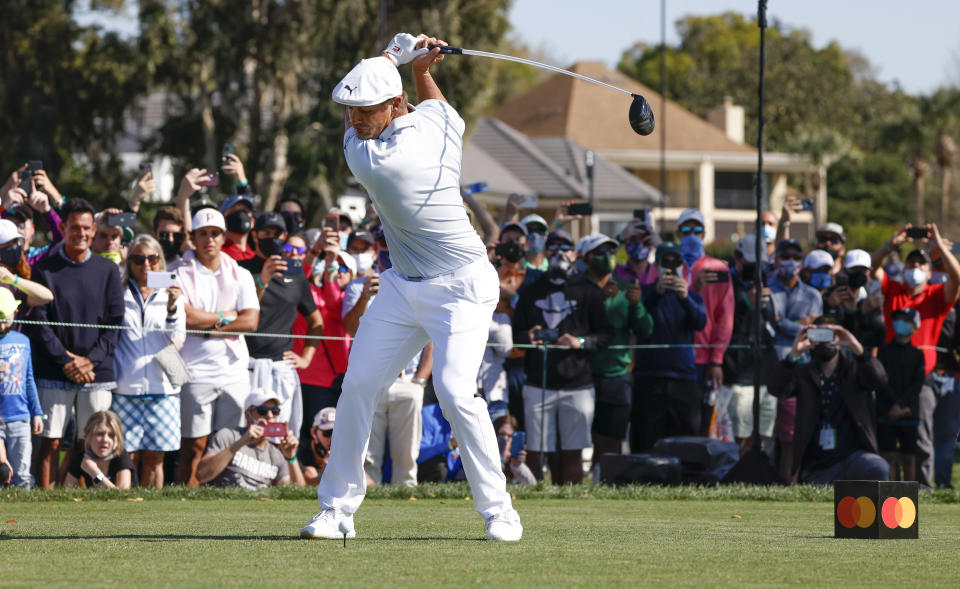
[641,116]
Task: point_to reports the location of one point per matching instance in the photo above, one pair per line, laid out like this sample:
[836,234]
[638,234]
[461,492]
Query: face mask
[319,266]
[344,240]
[832,253]
[294,223]
[938,277]
[115,257]
[560,268]
[861,294]
[769,233]
[536,241]
[171,249]
[902,328]
[602,265]
[637,251]
[787,269]
[823,352]
[820,280]
[238,222]
[748,273]
[857,279]
[383,258]
[914,277]
[364,262]
[272,246]
[10,256]
[691,249]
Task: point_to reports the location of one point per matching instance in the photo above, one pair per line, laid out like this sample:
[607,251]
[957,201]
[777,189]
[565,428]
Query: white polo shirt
[412,173]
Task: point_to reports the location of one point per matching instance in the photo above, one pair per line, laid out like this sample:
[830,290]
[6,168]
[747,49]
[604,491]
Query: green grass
[573,537]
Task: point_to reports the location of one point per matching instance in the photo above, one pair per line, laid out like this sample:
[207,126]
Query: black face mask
[833,254]
[294,222]
[823,352]
[857,279]
[171,249]
[319,449]
[748,273]
[238,222]
[271,246]
[10,256]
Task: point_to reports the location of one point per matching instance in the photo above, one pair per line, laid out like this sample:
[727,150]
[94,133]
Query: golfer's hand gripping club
[402,49]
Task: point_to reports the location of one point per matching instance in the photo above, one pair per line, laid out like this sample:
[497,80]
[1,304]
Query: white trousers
[454,312]
[397,422]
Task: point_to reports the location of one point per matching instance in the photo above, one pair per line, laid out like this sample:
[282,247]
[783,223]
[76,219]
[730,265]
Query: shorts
[888,435]
[786,418]
[206,408]
[612,408]
[149,423]
[570,410]
[59,405]
[741,410]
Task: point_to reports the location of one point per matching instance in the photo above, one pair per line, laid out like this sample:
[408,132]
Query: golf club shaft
[460,51]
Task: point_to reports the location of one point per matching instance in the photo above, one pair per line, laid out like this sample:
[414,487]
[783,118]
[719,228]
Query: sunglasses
[139,259]
[170,235]
[264,409]
[696,230]
[292,249]
[607,249]
[564,247]
[344,269]
[834,239]
[795,257]
[326,433]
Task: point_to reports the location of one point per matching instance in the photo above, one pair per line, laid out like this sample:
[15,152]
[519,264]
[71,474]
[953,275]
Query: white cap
[534,218]
[588,243]
[348,261]
[370,82]
[260,396]
[747,246]
[817,259]
[691,215]
[325,418]
[8,231]
[208,218]
[832,228]
[857,259]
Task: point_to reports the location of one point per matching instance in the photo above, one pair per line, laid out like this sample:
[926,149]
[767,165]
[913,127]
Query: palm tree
[919,168]
[946,152]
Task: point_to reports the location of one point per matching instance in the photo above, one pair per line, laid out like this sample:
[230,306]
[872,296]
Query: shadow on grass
[177,537]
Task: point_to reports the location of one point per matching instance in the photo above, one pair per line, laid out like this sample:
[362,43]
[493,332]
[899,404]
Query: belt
[456,273]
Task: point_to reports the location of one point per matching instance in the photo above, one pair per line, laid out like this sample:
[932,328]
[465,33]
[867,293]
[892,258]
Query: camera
[510,251]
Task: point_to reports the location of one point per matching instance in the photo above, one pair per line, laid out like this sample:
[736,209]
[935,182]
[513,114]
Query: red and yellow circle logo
[898,512]
[857,511]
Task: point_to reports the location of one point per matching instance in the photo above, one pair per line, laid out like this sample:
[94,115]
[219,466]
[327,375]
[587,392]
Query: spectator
[20,413]
[238,214]
[104,454]
[314,455]
[515,274]
[946,416]
[508,258]
[219,296]
[360,246]
[771,229]
[835,437]
[15,272]
[666,394]
[832,239]
[292,211]
[536,243]
[19,207]
[898,400]
[346,226]
[108,238]
[74,365]
[514,465]
[933,302]
[739,363]
[795,305]
[144,186]
[492,379]
[283,294]
[146,401]
[168,230]
[238,458]
[857,301]
[816,271]
[612,379]
[572,308]
[639,239]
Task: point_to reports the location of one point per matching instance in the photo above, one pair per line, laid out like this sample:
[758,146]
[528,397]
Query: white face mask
[364,262]
[344,240]
[914,277]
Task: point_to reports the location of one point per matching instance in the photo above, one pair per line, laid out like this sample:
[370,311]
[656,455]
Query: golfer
[441,287]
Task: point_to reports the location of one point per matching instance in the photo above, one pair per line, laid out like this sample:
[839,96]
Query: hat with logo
[208,218]
[370,82]
[325,418]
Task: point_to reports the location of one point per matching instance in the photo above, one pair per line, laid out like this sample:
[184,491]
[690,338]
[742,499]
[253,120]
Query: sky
[915,43]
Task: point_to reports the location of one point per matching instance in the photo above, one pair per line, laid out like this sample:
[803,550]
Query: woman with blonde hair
[104,463]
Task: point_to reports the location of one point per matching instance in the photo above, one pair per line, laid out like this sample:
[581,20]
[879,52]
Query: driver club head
[641,115]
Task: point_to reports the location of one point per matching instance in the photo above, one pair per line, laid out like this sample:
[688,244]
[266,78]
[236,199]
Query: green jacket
[627,320]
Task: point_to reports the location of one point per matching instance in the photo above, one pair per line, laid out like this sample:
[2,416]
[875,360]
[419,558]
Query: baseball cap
[18,213]
[560,235]
[348,261]
[370,82]
[260,396]
[514,225]
[589,243]
[234,199]
[8,304]
[533,218]
[691,215]
[789,243]
[311,236]
[857,259]
[666,248]
[919,252]
[362,235]
[343,215]
[907,314]
[9,231]
[832,228]
[269,219]
[817,259]
[747,246]
[208,218]
[325,418]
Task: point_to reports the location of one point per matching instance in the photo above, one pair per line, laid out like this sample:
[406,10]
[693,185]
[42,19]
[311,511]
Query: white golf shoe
[330,525]
[504,527]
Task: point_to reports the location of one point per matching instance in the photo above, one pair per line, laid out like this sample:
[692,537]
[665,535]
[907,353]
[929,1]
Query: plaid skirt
[149,423]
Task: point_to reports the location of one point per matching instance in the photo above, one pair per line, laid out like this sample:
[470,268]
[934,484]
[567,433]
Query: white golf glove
[401,48]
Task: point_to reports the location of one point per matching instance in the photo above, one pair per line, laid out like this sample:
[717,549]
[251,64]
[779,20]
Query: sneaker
[327,524]
[504,527]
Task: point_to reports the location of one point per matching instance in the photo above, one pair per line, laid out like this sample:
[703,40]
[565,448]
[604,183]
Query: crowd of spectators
[179,355]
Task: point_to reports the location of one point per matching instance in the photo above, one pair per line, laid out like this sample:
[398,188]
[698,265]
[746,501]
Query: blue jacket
[675,320]
[18,390]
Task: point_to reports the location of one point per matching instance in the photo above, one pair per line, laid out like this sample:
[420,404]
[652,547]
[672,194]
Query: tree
[869,188]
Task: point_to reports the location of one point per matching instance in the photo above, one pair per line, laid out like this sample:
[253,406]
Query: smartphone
[820,335]
[228,149]
[806,205]
[144,168]
[275,430]
[517,443]
[27,175]
[34,166]
[214,180]
[122,220]
[294,267]
[530,201]
[332,222]
[476,187]
[161,279]
[547,336]
[641,213]
[722,276]
[841,280]
[918,233]
[580,208]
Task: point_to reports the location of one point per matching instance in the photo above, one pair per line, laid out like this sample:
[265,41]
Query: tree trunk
[945,197]
[919,170]
[207,121]
[278,169]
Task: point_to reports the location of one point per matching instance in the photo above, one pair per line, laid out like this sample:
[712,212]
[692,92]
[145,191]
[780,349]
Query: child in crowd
[104,463]
[897,402]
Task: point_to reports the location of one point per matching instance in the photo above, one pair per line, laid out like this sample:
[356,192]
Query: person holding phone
[108,241]
[15,272]
[246,458]
[832,239]
[513,451]
[19,206]
[282,294]
[146,401]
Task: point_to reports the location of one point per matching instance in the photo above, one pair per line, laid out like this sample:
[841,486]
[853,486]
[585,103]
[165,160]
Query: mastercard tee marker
[875,509]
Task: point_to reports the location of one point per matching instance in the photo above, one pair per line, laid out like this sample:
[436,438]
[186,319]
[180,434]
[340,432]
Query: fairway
[438,541]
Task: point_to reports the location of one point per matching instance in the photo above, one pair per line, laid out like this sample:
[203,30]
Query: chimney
[729,118]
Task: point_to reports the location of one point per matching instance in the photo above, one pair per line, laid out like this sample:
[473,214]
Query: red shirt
[320,373]
[233,250]
[933,310]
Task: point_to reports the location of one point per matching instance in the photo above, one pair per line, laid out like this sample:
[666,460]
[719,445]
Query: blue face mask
[637,251]
[902,328]
[691,249]
[787,269]
[536,241]
[820,280]
[769,233]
